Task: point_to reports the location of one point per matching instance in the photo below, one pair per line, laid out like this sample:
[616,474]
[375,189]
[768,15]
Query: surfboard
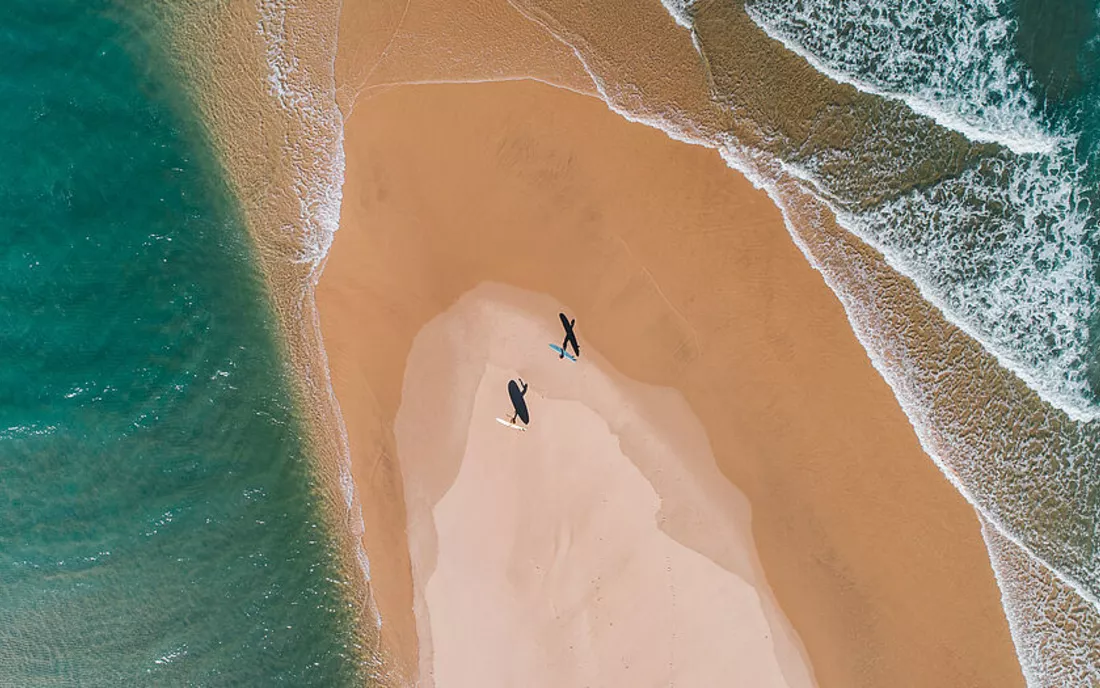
[511,425]
[560,351]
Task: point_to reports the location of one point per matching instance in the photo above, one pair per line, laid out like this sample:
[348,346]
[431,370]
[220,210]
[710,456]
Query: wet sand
[682,276]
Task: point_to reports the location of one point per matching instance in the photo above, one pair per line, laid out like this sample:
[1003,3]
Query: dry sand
[682,276]
[601,547]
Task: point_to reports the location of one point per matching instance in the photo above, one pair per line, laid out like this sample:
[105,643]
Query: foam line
[1054,631]
[1056,379]
[309,99]
[1021,136]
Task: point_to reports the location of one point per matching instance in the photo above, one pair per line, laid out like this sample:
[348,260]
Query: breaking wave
[953,61]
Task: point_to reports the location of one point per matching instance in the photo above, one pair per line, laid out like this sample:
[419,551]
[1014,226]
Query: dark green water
[157,521]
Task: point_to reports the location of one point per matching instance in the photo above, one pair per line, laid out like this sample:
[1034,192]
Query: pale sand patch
[548,558]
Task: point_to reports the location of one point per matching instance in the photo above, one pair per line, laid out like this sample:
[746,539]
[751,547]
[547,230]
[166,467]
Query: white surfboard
[511,425]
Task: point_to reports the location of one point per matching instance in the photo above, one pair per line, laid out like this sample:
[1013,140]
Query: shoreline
[680,337]
[229,54]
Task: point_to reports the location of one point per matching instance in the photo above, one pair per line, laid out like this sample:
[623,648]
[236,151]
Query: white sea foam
[983,463]
[306,93]
[1029,473]
[952,61]
[680,11]
[1004,251]
[1004,247]
[169,657]
[18,432]
[1057,634]
[317,148]
[1001,461]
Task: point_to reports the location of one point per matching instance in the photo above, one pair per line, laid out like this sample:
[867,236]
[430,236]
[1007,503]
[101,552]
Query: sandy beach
[682,277]
[599,547]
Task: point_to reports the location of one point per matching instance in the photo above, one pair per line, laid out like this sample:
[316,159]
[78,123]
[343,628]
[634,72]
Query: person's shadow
[516,393]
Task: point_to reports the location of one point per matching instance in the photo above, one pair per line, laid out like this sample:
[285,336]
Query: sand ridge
[682,275]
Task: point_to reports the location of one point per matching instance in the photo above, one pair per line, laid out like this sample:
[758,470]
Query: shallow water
[159,522]
[1004,244]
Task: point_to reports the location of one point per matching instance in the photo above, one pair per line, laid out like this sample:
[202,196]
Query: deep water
[158,518]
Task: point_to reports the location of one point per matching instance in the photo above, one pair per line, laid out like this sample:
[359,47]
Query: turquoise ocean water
[158,524]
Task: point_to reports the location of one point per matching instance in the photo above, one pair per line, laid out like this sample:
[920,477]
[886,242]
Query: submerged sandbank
[683,276]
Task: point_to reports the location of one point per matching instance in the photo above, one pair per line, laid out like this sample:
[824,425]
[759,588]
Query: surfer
[515,393]
[570,337]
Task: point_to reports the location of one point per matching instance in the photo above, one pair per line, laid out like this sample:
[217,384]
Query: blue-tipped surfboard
[561,351]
